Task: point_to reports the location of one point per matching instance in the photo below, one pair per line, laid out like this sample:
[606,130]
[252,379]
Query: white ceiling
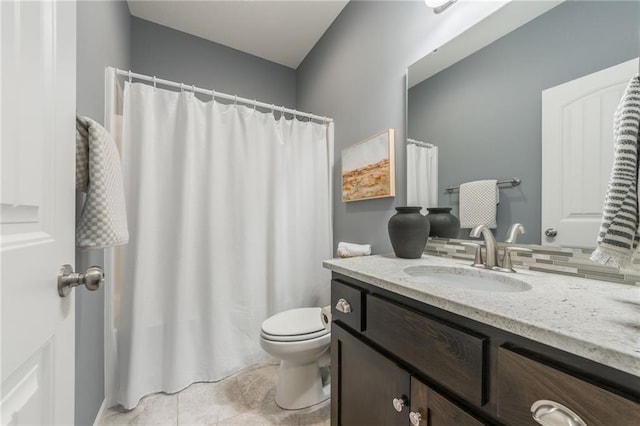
[279,31]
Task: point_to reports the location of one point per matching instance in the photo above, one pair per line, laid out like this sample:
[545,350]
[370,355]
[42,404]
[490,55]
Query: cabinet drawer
[453,358]
[354,297]
[523,381]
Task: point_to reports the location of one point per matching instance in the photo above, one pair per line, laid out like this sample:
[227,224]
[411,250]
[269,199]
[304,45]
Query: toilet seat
[294,325]
[294,338]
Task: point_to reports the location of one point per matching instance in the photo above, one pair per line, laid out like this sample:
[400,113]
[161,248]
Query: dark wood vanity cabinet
[397,361]
[374,390]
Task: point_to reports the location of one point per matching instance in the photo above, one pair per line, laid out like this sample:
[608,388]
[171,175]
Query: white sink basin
[467,278]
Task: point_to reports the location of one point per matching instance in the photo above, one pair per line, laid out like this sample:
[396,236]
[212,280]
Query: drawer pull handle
[551,413]
[415,418]
[343,306]
[399,403]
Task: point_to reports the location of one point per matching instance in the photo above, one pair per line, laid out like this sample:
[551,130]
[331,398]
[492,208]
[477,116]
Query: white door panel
[37,202]
[577,153]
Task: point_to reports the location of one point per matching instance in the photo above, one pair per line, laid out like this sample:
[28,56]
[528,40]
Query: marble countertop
[593,319]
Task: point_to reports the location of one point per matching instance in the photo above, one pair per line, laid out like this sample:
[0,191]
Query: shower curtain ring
[181,87]
[255,101]
[213,95]
[130,77]
[235,99]
[154,81]
[193,88]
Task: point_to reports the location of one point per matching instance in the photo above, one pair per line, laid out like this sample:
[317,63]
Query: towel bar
[512,182]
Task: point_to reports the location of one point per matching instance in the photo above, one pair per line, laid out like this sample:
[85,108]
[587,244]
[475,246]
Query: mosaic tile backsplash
[564,261]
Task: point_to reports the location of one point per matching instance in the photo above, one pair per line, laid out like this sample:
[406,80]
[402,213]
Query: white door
[38,69]
[577,154]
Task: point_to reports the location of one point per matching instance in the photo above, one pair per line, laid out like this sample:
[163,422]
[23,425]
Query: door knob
[67,279]
[550,232]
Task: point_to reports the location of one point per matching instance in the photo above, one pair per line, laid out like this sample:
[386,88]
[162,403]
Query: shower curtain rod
[215,94]
[420,143]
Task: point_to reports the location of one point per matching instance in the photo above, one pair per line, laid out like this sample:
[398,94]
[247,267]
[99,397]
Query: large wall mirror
[478,99]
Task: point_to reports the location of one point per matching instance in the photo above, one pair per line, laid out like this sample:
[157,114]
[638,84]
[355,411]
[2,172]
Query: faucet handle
[507,266]
[477,262]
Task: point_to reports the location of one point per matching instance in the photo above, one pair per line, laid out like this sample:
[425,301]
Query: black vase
[443,223]
[408,232]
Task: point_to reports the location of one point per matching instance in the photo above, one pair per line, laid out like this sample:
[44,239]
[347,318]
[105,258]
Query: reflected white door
[577,154]
[37,199]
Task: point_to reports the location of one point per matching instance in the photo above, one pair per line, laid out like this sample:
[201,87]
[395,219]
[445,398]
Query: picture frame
[368,168]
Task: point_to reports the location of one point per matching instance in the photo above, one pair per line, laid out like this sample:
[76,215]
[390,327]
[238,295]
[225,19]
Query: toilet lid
[294,322]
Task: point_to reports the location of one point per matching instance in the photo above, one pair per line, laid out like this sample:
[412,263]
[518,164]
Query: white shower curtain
[422,175]
[230,218]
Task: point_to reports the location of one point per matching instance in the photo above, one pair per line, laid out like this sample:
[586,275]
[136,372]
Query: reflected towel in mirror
[478,203]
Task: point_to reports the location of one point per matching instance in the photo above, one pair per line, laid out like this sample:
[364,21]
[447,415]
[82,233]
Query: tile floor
[246,398]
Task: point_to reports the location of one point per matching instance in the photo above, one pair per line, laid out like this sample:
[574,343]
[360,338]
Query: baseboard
[101,411]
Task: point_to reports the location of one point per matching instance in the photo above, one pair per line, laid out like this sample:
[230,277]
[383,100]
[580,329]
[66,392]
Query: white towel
[103,220]
[353,250]
[478,203]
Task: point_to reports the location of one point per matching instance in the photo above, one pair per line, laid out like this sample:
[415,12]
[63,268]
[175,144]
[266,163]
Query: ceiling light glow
[439,6]
[435,3]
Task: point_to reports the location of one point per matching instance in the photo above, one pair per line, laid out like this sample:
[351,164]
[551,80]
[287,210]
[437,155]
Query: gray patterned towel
[103,221]
[478,203]
[618,236]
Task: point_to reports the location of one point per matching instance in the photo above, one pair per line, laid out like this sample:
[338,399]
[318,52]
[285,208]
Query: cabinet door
[429,408]
[366,385]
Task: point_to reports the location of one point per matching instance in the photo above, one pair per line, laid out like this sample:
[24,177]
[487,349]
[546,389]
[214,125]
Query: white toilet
[299,339]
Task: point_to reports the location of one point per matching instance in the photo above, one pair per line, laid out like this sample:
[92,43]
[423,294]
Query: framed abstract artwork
[368,169]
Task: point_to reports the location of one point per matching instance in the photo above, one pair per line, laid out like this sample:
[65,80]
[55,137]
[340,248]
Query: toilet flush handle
[343,306]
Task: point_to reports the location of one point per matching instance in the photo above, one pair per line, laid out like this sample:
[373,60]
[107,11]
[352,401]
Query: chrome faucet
[490,244]
[514,230]
[492,248]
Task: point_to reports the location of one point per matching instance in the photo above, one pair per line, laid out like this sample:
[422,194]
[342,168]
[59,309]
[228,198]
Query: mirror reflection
[484,112]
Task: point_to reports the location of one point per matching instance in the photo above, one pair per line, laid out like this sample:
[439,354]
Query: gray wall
[356,75]
[484,112]
[102,40]
[177,56]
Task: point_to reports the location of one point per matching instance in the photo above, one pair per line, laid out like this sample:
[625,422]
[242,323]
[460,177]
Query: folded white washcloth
[353,250]
[478,203]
